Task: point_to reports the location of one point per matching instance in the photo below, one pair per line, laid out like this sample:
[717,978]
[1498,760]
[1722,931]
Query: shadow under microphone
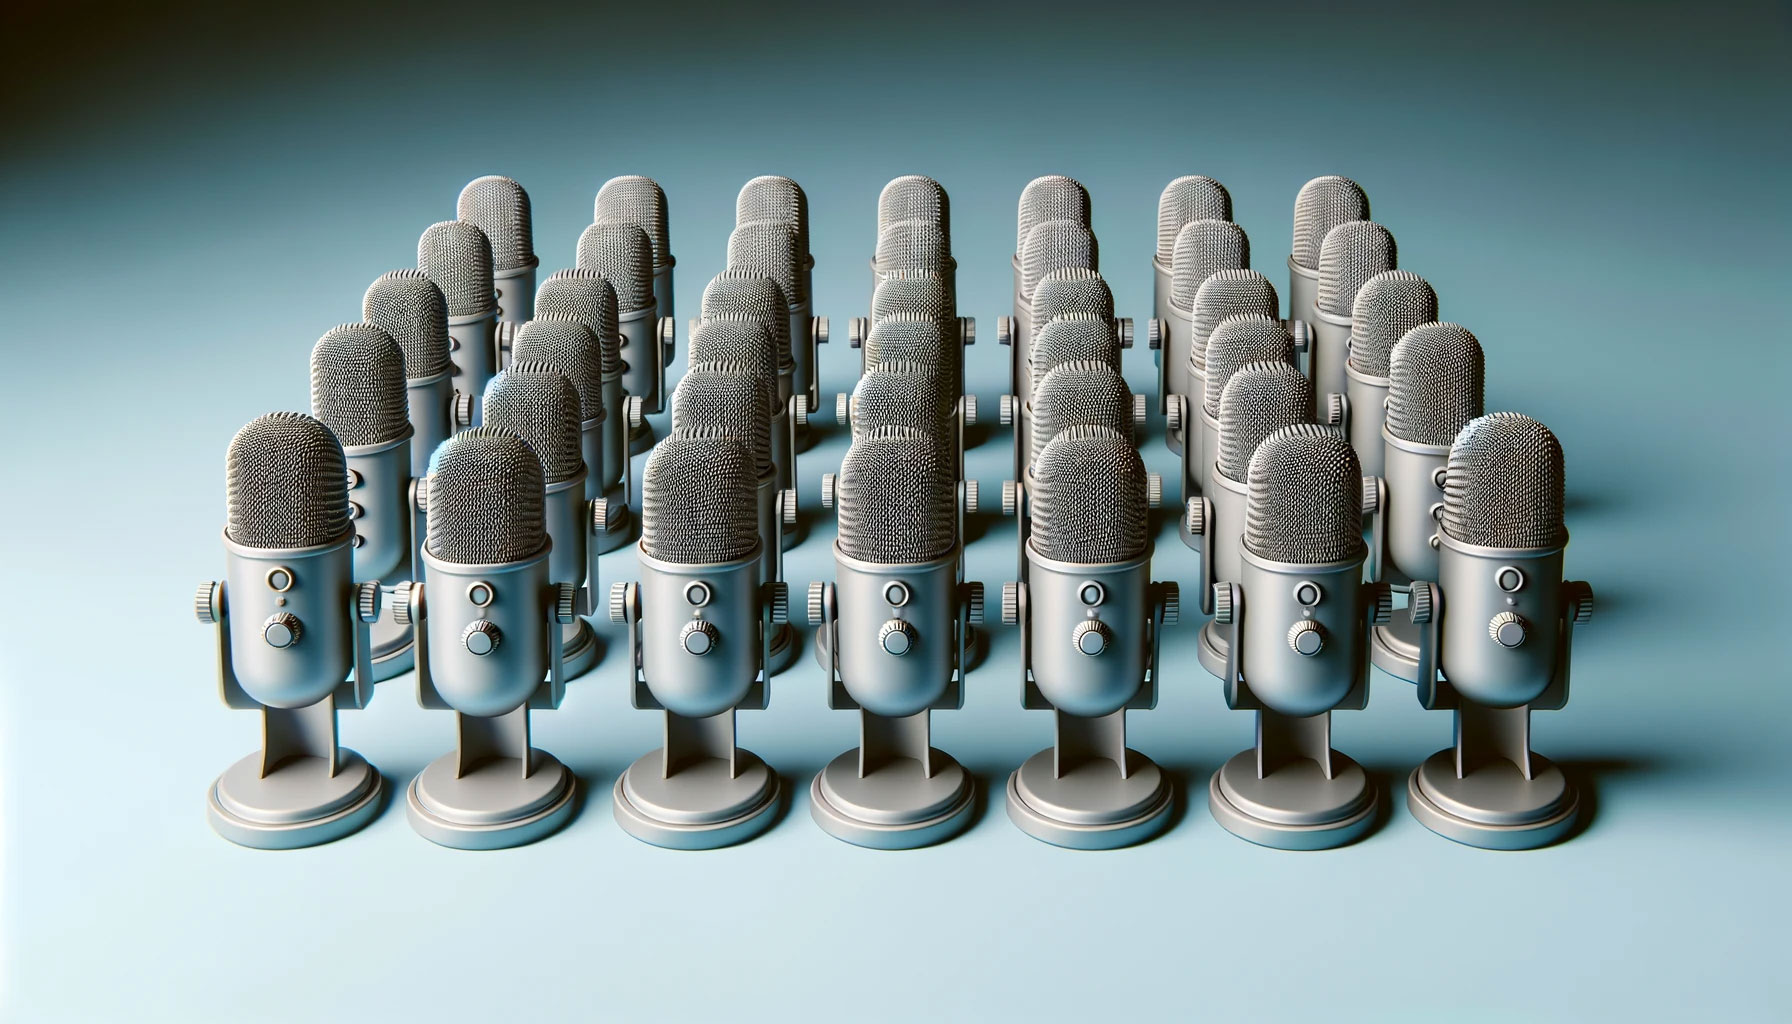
[499,207]
[700,624]
[1321,205]
[1352,253]
[457,256]
[638,200]
[623,254]
[579,354]
[1203,249]
[293,639]
[1496,639]
[1091,621]
[772,199]
[749,349]
[1297,618]
[1235,341]
[1186,199]
[1386,307]
[1050,246]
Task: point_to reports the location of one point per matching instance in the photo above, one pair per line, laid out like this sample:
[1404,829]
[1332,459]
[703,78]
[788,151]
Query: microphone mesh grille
[286,483]
[1237,342]
[633,199]
[774,198]
[752,296]
[1435,380]
[768,248]
[1226,293]
[357,385]
[1387,306]
[1204,248]
[486,499]
[903,339]
[1088,492]
[1258,400]
[897,498]
[1070,339]
[1052,197]
[727,400]
[1055,245]
[1189,198]
[499,207]
[903,394]
[699,500]
[745,343]
[622,253]
[1079,392]
[458,258]
[584,297]
[572,351]
[1504,485]
[1352,253]
[1305,498]
[1072,291]
[914,197]
[536,403]
[409,307]
[1323,204]
[917,294]
[913,245]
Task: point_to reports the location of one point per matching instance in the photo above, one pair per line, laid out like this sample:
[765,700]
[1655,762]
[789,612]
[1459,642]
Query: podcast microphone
[1050,246]
[570,349]
[409,307]
[499,207]
[915,295]
[932,343]
[746,344]
[1189,198]
[633,199]
[458,257]
[916,244]
[291,625]
[1203,248]
[897,619]
[1496,633]
[700,624]
[1236,341]
[1066,339]
[914,197]
[623,254]
[1090,621]
[1052,197]
[770,199]
[537,403]
[1297,619]
[1322,204]
[1352,253]
[488,646]
[1072,291]
[1225,293]
[1386,307]
[358,392]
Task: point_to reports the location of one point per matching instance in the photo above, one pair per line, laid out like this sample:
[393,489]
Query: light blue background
[188,200]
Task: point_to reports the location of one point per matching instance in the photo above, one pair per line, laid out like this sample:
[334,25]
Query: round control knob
[1010,497]
[1420,604]
[827,490]
[282,629]
[1125,326]
[1173,412]
[968,412]
[566,604]
[1171,597]
[1091,637]
[1306,637]
[699,637]
[1222,603]
[973,602]
[818,327]
[205,604]
[777,600]
[481,637]
[896,637]
[367,602]
[856,329]
[1154,491]
[618,602]
[1004,330]
[463,409]
[1197,516]
[1005,410]
[967,330]
[1010,604]
[1580,601]
[1508,629]
[1154,334]
[816,608]
[404,597]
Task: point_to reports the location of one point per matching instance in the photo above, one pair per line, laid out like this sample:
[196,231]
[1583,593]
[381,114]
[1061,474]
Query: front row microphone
[700,625]
[1495,640]
[1297,618]
[291,625]
[897,620]
[1091,622]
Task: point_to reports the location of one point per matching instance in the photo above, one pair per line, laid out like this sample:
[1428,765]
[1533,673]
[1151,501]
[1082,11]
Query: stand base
[641,438]
[1394,648]
[1493,807]
[299,804]
[699,807]
[1211,647]
[895,807]
[581,652]
[975,650]
[492,807]
[1295,807]
[618,533]
[1091,807]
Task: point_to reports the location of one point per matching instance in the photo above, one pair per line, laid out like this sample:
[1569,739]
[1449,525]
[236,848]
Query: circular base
[975,650]
[641,438]
[700,807]
[617,534]
[396,663]
[1493,807]
[1210,649]
[298,804]
[493,807]
[895,807]
[786,644]
[1295,807]
[581,653]
[1394,648]
[1091,807]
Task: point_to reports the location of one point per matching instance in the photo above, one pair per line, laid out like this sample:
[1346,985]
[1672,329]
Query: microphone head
[1386,307]
[1052,197]
[1237,342]
[409,307]
[902,394]
[742,342]
[1083,391]
[905,339]
[584,297]
[1351,254]
[749,295]
[1089,504]
[775,198]
[458,258]
[917,294]
[1435,379]
[357,385]
[913,245]
[1070,339]
[699,502]
[486,499]
[914,197]
[573,352]
[1323,204]
[897,498]
[632,199]
[537,403]
[769,248]
[727,400]
[1304,502]
[1072,291]
[1504,484]
[1055,245]
[499,207]
[1260,399]
[621,252]
[1226,293]
[1204,248]
[1189,198]
[286,483]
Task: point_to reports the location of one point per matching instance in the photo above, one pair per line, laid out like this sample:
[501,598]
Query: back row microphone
[499,207]
[914,197]
[457,256]
[1051,246]
[623,254]
[1352,253]
[412,311]
[1203,248]
[775,199]
[1387,306]
[633,199]
[748,346]
[1224,293]
[1064,202]
[1186,199]
[1321,205]
[913,295]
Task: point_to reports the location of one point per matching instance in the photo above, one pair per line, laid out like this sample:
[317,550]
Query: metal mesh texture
[1088,494]
[774,198]
[699,500]
[918,294]
[1258,400]
[1323,204]
[633,199]
[1352,253]
[1188,198]
[741,342]
[1072,291]
[357,385]
[897,498]
[1436,377]
[750,295]
[1386,307]
[1052,197]
[537,403]
[1084,391]
[1224,294]
[903,394]
[914,197]
[584,297]
[409,307]
[621,252]
[928,342]
[286,483]
[458,258]
[1070,339]
[1305,498]
[1204,248]
[1504,485]
[727,399]
[1055,245]
[572,351]
[486,499]
[499,207]
[769,248]
[913,245]
[1237,342]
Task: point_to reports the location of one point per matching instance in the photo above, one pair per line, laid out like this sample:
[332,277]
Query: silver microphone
[1189,198]
[1322,204]
[488,646]
[770,199]
[1236,341]
[1071,291]
[1225,293]
[1050,246]
[292,636]
[409,307]
[1386,307]
[499,207]
[457,256]
[623,254]
[1047,198]
[1203,248]
[1090,621]
[928,342]
[1065,339]
[914,197]
[1495,639]
[700,623]
[916,295]
[1353,253]
[1297,619]
[915,244]
[633,199]
[748,345]
[769,249]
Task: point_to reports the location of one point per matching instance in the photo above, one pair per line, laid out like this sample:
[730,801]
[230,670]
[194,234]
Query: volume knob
[1508,629]
[481,637]
[1091,637]
[282,629]
[1306,637]
[896,637]
[699,637]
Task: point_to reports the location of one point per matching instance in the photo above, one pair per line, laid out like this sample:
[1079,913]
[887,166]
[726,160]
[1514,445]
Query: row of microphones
[771,241]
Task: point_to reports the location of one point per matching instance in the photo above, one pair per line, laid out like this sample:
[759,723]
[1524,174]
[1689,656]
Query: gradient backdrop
[189,198]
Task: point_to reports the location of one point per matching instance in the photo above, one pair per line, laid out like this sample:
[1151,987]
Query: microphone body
[1322,204]
[1352,253]
[499,207]
[1366,397]
[1189,198]
[692,677]
[457,256]
[638,200]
